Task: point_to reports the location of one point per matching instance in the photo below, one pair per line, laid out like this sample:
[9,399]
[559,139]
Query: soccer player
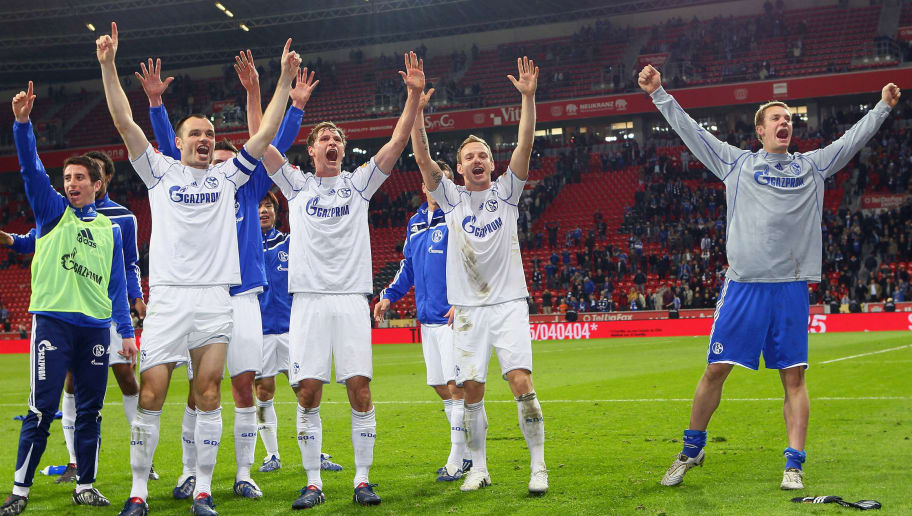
[424,266]
[275,309]
[122,367]
[193,262]
[78,286]
[245,353]
[485,280]
[774,245]
[330,278]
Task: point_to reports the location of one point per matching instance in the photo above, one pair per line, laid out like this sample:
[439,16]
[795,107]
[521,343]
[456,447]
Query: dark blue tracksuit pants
[57,347]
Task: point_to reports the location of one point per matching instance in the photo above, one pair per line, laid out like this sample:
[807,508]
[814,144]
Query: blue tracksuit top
[248,197]
[275,302]
[424,266]
[49,206]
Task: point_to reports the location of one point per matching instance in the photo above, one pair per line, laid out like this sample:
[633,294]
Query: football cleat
[475,480]
[152,474]
[682,463]
[134,507]
[184,491]
[466,465]
[365,495]
[90,497]
[538,482]
[247,489]
[310,496]
[271,463]
[69,474]
[443,474]
[328,465]
[203,506]
[15,504]
[792,478]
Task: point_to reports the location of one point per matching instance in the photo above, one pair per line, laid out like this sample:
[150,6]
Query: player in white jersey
[773,244]
[193,261]
[485,280]
[330,277]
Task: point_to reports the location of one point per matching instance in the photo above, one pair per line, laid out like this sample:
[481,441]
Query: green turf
[614,412]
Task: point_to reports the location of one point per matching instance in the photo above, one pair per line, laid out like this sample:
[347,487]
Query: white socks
[364,434]
[188,444]
[68,421]
[245,438]
[476,428]
[268,427]
[310,439]
[532,424]
[457,435]
[143,440]
[130,403]
[208,434]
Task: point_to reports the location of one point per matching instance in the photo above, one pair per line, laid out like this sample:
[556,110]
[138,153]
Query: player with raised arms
[193,262]
[774,248]
[485,280]
[330,278]
[78,290]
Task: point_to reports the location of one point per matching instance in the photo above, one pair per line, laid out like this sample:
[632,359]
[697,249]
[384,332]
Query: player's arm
[45,201]
[413,76]
[718,156]
[836,155]
[154,87]
[22,244]
[269,126]
[117,293]
[118,105]
[527,83]
[430,171]
[131,264]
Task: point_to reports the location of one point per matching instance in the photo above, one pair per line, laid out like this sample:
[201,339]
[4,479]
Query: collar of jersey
[87,212]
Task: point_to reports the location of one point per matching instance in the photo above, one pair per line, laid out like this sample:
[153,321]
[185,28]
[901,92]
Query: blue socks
[694,441]
[794,458]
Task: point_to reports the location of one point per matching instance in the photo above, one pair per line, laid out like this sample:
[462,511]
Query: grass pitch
[614,412]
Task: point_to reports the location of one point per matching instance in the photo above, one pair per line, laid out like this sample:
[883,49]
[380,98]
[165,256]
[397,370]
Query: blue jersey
[424,266]
[247,198]
[49,206]
[24,244]
[275,303]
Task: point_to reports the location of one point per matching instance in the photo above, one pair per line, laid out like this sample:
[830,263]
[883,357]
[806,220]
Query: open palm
[527,82]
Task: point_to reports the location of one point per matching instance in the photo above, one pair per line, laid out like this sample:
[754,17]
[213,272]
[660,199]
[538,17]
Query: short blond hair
[473,139]
[761,111]
[312,137]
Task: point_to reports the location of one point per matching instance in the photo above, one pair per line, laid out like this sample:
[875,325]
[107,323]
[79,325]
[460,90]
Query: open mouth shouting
[74,195]
[332,154]
[203,151]
[782,135]
[478,172]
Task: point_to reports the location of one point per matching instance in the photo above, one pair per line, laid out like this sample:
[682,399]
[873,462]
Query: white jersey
[330,246]
[483,265]
[194,238]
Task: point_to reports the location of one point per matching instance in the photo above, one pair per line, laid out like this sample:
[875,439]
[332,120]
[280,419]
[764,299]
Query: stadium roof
[53,40]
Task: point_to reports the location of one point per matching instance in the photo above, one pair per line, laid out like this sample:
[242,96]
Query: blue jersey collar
[87,212]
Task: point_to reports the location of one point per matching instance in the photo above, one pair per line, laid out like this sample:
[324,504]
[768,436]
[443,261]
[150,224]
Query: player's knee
[151,399]
[717,373]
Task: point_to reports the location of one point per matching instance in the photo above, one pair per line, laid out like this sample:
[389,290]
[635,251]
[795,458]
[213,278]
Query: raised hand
[425,97]
[106,46]
[304,86]
[246,70]
[528,76]
[23,102]
[413,76]
[291,61]
[649,79]
[151,80]
[891,94]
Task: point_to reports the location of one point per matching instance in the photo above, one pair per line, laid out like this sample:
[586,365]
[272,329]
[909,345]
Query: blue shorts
[751,318]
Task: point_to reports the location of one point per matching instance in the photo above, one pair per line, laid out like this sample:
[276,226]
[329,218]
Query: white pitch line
[864,354]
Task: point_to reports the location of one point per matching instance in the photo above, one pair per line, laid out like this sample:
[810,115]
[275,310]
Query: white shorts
[437,345]
[116,345]
[275,355]
[245,352]
[503,327]
[325,327]
[183,318]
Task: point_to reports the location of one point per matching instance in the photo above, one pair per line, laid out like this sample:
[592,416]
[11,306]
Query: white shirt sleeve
[289,179]
[238,170]
[447,195]
[152,165]
[367,179]
[509,187]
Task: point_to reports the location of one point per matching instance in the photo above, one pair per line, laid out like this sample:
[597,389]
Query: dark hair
[180,123]
[88,163]
[445,168]
[271,198]
[225,144]
[104,158]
